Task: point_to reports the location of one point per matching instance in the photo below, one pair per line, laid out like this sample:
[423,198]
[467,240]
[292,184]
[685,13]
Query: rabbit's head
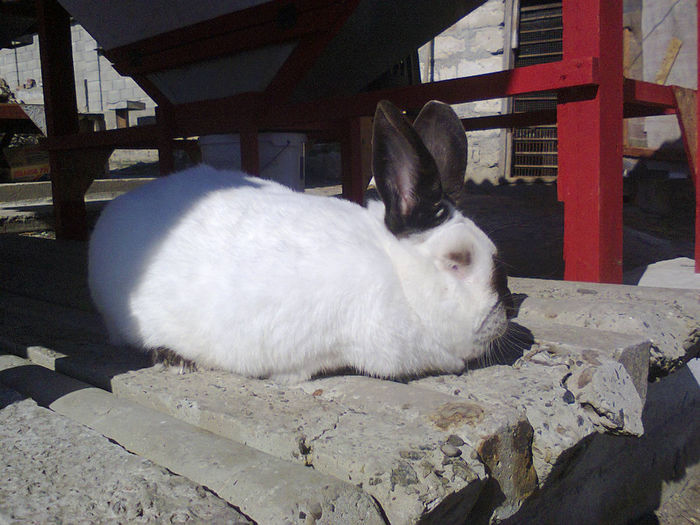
[419,170]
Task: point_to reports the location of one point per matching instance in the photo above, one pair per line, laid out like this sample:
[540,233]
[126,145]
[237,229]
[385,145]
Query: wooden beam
[310,47]
[58,80]
[655,154]
[686,101]
[12,111]
[648,94]
[512,120]
[166,157]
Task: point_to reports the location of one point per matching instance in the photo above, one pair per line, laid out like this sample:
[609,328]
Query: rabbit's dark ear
[405,174]
[442,133]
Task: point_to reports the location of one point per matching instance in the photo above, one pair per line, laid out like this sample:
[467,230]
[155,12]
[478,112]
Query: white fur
[244,274]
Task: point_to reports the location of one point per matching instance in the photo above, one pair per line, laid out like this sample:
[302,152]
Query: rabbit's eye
[459,259]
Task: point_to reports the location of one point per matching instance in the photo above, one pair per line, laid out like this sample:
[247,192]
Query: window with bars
[540,40]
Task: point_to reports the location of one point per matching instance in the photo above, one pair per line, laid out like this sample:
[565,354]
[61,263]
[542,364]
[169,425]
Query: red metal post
[697,163]
[250,152]
[356,158]
[166,158]
[69,180]
[590,146]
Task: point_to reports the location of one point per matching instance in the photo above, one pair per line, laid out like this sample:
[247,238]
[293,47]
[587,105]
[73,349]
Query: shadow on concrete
[40,383]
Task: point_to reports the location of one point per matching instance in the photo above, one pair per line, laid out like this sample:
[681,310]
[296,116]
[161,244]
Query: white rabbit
[241,273]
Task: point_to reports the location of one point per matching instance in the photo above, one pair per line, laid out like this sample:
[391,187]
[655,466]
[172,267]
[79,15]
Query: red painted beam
[70,177]
[254,110]
[590,146]
[259,26]
[697,164]
[512,120]
[12,111]
[135,137]
[644,99]
[648,94]
[308,51]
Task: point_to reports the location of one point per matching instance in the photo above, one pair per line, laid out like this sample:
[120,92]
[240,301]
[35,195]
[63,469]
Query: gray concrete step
[412,446]
[55,470]
[482,445]
[267,489]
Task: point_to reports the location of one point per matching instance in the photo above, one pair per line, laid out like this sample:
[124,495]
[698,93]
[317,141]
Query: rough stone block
[265,488]
[57,470]
[669,318]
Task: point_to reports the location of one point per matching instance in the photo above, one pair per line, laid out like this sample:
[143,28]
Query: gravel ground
[54,470]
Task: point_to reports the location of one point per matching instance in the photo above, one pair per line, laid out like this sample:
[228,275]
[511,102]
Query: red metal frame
[590,146]
[593,100]
[697,163]
[250,28]
[61,111]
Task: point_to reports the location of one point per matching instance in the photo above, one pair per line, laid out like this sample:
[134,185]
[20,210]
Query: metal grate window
[540,41]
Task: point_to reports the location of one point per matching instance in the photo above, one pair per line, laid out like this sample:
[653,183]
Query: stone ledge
[667,317]
[482,445]
[426,450]
[265,488]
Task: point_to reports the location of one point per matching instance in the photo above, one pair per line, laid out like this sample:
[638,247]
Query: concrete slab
[483,445]
[669,318]
[424,450]
[674,273]
[265,488]
[54,470]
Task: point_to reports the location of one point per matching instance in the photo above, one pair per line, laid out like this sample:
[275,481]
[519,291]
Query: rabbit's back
[217,265]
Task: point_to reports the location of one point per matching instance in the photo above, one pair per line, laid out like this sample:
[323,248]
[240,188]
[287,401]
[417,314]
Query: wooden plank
[686,101]
[590,146]
[674,47]
[135,137]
